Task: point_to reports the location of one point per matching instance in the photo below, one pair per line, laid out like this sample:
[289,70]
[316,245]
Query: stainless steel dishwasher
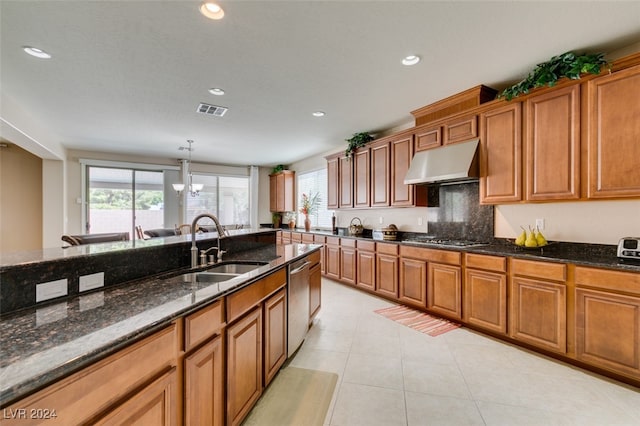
[298,296]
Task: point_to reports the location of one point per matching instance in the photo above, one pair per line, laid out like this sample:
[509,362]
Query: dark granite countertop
[41,345]
[595,255]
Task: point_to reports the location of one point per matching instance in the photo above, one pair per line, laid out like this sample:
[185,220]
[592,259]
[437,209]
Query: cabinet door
[280,196]
[204,385]
[244,365]
[538,313]
[275,334]
[614,135]
[461,130]
[608,331]
[501,155]
[552,145]
[413,282]
[401,155]
[387,275]
[362,176]
[444,289]
[315,291]
[380,175]
[333,261]
[366,272]
[427,137]
[333,183]
[485,300]
[348,265]
[153,405]
[345,191]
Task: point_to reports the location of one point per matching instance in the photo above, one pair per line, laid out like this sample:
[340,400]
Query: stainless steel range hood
[450,163]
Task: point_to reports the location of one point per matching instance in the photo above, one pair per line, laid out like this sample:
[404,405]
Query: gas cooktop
[444,242]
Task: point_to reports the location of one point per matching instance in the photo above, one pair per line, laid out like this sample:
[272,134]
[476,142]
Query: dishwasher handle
[300,268]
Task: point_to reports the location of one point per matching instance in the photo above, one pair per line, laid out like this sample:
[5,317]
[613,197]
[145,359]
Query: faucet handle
[220,253]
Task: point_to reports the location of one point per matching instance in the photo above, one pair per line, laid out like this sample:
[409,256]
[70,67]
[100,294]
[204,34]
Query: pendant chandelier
[194,188]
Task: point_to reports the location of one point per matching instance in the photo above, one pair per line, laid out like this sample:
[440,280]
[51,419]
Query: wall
[20,199]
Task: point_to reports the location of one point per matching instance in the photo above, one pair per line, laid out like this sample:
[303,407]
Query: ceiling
[127,76]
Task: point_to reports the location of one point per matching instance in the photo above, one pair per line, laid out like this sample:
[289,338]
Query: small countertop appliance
[629,248]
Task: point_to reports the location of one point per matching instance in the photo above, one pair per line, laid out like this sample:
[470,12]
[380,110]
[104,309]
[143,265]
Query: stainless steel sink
[213,277]
[234,268]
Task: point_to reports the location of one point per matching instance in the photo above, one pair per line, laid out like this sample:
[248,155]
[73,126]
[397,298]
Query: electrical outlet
[540,224]
[381,220]
[419,221]
[91,281]
[51,290]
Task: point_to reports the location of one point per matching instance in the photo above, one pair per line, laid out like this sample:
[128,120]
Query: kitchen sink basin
[213,277]
[234,268]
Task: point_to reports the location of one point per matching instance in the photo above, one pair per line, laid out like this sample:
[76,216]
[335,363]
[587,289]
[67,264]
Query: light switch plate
[51,290]
[91,281]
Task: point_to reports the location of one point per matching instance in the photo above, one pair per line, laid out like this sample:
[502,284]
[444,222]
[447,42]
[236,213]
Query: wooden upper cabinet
[552,145]
[362,178]
[281,191]
[501,154]
[401,155]
[427,137]
[461,130]
[380,174]
[613,134]
[345,182]
[333,182]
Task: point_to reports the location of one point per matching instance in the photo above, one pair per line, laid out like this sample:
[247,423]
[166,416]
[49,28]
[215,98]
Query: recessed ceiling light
[38,53]
[319,114]
[216,91]
[411,60]
[211,10]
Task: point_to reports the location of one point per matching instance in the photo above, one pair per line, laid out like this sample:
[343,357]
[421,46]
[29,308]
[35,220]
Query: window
[120,198]
[225,197]
[310,183]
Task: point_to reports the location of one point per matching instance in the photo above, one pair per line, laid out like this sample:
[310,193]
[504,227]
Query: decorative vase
[307,224]
[292,224]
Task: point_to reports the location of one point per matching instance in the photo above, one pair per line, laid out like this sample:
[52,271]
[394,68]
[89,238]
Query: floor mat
[418,320]
[296,397]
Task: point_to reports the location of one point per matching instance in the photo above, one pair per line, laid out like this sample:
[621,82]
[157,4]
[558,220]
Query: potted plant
[309,205]
[548,73]
[356,141]
[276,218]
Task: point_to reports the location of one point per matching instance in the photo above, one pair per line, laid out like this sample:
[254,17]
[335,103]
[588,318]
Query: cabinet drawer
[383,248]
[431,255]
[319,239]
[203,324]
[611,280]
[307,238]
[366,245]
[314,257]
[490,263]
[243,300]
[333,241]
[347,242]
[545,270]
[296,237]
[88,392]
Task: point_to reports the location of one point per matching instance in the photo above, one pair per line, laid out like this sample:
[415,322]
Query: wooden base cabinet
[332,258]
[153,405]
[315,291]
[444,289]
[348,261]
[485,292]
[204,385]
[275,334]
[387,270]
[538,307]
[608,320]
[366,265]
[413,282]
[244,365]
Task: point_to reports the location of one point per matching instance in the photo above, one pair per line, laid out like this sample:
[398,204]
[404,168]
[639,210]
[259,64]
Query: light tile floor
[391,375]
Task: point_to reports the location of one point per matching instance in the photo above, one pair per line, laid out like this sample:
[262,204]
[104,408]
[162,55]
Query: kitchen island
[44,344]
